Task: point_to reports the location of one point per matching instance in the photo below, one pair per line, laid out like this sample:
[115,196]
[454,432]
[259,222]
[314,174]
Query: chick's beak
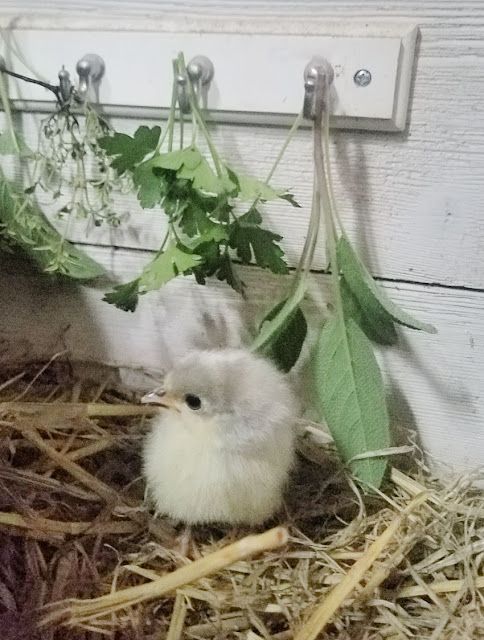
[162,399]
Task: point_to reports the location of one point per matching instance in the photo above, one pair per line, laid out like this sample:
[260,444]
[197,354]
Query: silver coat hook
[318,75]
[90,69]
[65,86]
[200,72]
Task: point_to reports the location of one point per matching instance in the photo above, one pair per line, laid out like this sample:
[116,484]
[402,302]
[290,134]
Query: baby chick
[223,448]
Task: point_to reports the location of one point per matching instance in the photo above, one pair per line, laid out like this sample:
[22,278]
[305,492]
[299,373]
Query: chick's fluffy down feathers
[229,460]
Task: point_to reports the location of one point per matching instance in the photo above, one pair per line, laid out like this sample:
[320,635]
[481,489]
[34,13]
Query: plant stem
[295,126]
[171,117]
[8,113]
[198,117]
[299,285]
[329,182]
[323,177]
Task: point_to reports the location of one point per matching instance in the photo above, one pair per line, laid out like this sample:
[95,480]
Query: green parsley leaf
[226,272]
[149,185]
[166,266]
[191,165]
[129,151]
[174,160]
[124,296]
[251,189]
[289,197]
[249,239]
[217,262]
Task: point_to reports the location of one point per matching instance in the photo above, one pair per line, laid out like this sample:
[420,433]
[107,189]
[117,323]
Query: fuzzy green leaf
[351,396]
[379,327]
[249,239]
[166,266]
[285,345]
[25,226]
[9,148]
[129,151]
[372,298]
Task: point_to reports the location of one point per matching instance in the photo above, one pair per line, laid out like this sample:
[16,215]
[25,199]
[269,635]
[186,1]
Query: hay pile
[73,527]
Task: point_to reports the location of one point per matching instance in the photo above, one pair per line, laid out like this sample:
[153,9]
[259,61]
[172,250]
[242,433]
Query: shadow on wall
[42,316]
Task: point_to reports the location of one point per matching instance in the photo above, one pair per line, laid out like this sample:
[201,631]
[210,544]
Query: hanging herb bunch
[23,224]
[348,384]
[71,167]
[200,197]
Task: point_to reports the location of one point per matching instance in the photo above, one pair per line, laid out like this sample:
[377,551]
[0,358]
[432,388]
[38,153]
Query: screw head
[362,78]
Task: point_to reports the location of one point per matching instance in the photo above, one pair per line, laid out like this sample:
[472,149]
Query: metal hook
[90,69]
[65,86]
[318,75]
[182,91]
[200,72]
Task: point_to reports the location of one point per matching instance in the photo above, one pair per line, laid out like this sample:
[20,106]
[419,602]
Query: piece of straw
[77,611]
[43,525]
[337,596]
[444,586]
[177,621]
[100,488]
[79,409]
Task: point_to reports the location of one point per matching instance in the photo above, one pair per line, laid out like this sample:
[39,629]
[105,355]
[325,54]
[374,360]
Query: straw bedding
[74,526]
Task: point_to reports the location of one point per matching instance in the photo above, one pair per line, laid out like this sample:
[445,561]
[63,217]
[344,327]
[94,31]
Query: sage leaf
[372,298]
[379,327]
[350,395]
[286,344]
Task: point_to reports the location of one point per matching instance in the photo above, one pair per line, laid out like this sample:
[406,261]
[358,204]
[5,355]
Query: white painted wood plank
[435,382]
[271,65]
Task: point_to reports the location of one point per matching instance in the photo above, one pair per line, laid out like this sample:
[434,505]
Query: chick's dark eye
[193,401]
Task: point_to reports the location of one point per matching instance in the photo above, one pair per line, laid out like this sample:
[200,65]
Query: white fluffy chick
[223,449]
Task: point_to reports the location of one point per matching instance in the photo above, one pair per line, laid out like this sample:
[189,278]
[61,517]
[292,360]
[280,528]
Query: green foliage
[350,393]
[25,227]
[200,207]
[373,300]
[128,151]
[167,264]
[251,241]
[285,345]
[378,327]
[14,144]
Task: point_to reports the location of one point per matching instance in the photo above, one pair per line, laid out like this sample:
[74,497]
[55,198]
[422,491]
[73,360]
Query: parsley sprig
[201,198]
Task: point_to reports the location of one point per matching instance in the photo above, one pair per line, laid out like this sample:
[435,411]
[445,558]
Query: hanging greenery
[214,220]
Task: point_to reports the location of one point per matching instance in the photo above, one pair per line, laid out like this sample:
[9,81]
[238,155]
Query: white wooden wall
[412,202]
